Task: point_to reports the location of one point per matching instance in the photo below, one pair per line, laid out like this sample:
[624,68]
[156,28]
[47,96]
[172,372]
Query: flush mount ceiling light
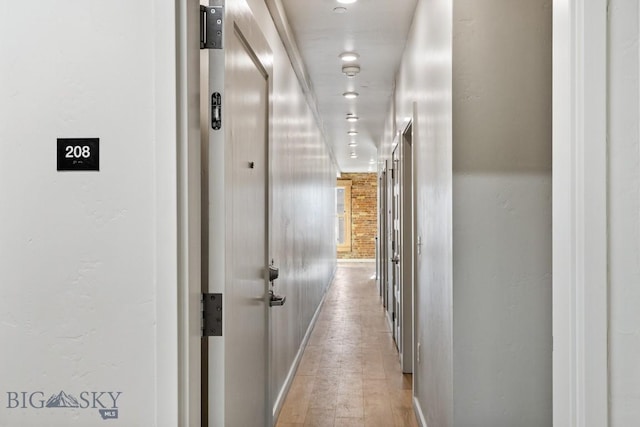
[352,133]
[351,70]
[347,1]
[353,144]
[354,156]
[350,95]
[349,56]
[352,118]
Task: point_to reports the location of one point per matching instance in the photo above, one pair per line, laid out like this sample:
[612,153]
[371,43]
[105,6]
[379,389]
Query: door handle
[276,300]
[395,259]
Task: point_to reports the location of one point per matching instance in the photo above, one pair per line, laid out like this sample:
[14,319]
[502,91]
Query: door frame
[383,239]
[189,187]
[396,233]
[580,241]
[389,298]
[238,19]
[407,244]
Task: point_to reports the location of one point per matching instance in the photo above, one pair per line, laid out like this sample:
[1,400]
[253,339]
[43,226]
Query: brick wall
[364,215]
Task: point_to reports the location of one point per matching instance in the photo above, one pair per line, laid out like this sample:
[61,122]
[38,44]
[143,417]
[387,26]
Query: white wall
[624,221]
[480,75]
[88,259]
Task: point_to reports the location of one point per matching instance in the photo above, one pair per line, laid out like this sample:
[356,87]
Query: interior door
[382,240]
[406,250]
[397,245]
[390,244]
[246,364]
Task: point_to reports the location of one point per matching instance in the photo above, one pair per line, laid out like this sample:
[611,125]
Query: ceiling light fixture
[350,95]
[351,70]
[347,1]
[351,118]
[354,156]
[353,144]
[339,9]
[349,56]
[352,133]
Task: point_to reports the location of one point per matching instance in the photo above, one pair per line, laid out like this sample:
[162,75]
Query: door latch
[274,273]
[216,111]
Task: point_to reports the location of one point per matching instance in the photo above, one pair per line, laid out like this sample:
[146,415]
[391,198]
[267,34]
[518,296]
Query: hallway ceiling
[376,30]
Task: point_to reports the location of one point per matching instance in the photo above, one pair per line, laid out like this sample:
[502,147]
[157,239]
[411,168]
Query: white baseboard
[282,395]
[419,414]
[356,260]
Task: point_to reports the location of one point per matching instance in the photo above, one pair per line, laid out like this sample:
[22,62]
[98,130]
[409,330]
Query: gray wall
[624,221]
[479,75]
[424,79]
[502,213]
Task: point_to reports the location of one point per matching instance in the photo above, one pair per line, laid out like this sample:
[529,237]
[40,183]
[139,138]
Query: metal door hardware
[276,300]
[212,315]
[216,111]
[211,19]
[274,273]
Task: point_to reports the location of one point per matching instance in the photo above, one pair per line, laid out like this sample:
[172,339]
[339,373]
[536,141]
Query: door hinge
[211,315]
[211,19]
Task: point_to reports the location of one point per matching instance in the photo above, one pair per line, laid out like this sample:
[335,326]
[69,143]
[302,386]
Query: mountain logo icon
[62,400]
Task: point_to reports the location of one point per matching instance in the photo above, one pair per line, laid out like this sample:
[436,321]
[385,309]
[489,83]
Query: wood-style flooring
[350,373]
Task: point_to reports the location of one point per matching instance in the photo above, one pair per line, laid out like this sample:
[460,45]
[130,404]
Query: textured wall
[364,215]
[624,221]
[88,262]
[502,213]
[479,90]
[424,78]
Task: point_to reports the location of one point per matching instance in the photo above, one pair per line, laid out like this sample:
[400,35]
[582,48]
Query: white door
[246,364]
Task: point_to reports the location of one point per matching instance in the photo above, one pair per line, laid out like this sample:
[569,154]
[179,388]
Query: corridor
[350,374]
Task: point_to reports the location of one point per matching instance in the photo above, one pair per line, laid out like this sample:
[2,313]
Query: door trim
[407,231]
[580,288]
[188,151]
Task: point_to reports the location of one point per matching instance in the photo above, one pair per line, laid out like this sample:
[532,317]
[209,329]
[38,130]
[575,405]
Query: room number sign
[78,154]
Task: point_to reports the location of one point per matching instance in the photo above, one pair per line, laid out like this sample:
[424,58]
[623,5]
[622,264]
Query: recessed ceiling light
[347,1]
[354,156]
[339,9]
[352,133]
[349,56]
[350,95]
[351,118]
[353,144]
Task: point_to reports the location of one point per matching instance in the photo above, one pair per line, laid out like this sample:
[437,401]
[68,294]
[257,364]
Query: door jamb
[580,276]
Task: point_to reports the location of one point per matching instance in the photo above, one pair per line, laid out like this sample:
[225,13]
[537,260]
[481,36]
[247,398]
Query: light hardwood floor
[350,373]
